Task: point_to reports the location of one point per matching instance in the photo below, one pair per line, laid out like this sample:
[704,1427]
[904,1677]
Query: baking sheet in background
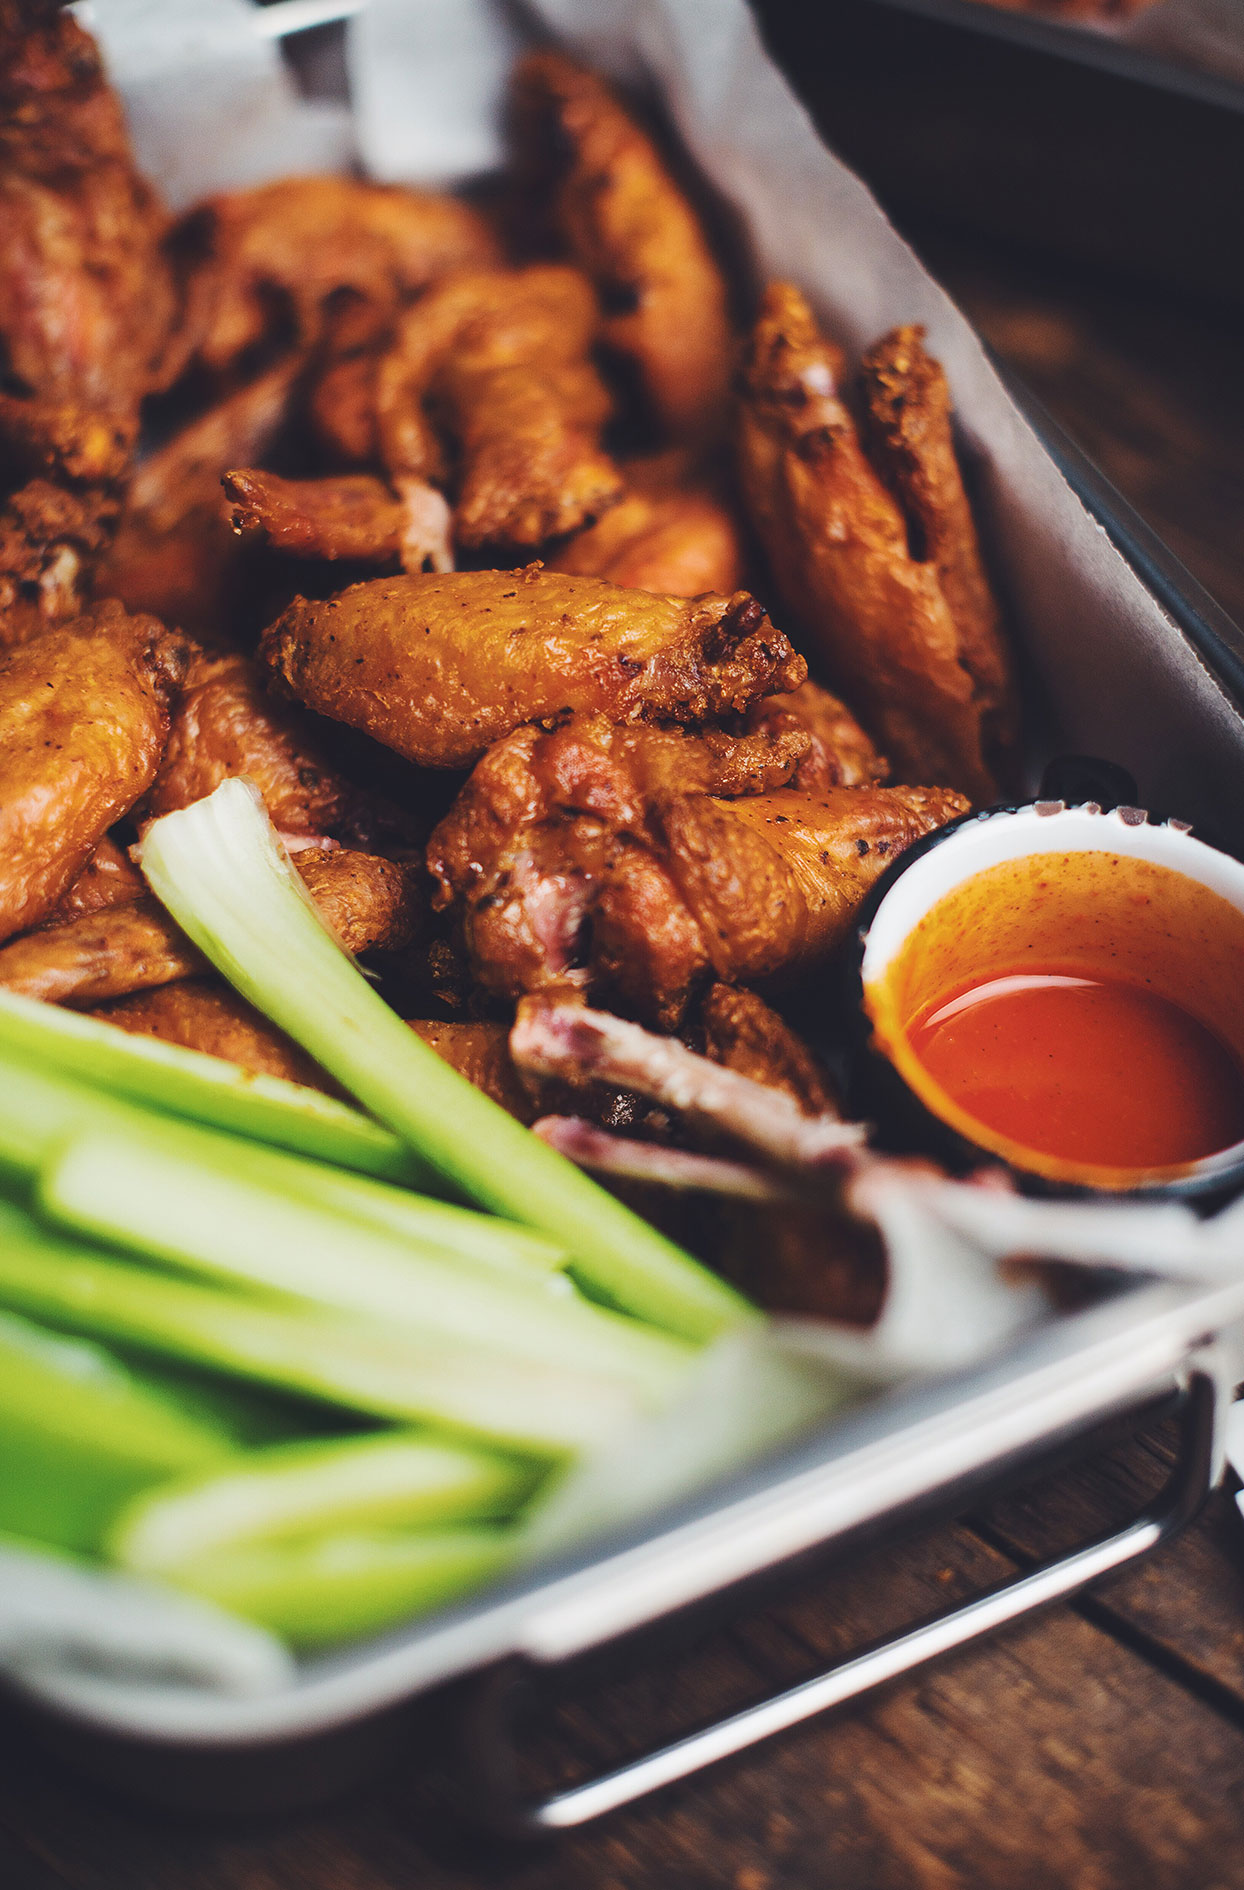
[1123,679]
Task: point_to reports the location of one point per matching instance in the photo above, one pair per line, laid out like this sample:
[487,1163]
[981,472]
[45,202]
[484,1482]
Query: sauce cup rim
[877,937]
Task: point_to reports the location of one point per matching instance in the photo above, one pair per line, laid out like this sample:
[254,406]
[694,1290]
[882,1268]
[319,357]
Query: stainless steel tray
[891,1462]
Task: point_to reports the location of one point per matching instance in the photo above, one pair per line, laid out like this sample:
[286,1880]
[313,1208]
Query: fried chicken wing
[204,1014]
[681,542]
[301,247]
[109,878]
[908,430]
[839,754]
[227,724]
[369,902]
[439,667]
[627,223]
[175,553]
[87,960]
[746,1035]
[48,539]
[348,516]
[372,904]
[838,546]
[605,860]
[341,408]
[84,717]
[86,297]
[502,358]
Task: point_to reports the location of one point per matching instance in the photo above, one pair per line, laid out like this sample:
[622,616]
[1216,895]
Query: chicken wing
[370,903]
[746,1035]
[586,860]
[839,754]
[204,1014]
[838,546]
[175,553]
[909,434]
[109,878]
[439,667]
[348,515]
[627,223]
[48,539]
[503,357]
[84,717]
[228,724]
[304,248]
[681,542]
[86,297]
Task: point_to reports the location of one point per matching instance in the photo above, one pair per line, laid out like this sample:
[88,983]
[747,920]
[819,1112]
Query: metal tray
[892,1462]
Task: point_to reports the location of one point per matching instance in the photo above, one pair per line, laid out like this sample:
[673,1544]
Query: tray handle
[493,1752]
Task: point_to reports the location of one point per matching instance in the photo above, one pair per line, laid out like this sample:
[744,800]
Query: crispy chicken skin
[109,878]
[908,432]
[84,717]
[838,546]
[341,408]
[204,1014]
[746,1035]
[49,537]
[87,960]
[597,860]
[501,359]
[439,667]
[348,516]
[627,223]
[839,754]
[297,247]
[481,1053]
[86,298]
[175,552]
[227,724]
[681,542]
[370,903]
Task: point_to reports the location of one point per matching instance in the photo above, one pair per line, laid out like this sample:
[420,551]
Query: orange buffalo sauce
[1080,1014]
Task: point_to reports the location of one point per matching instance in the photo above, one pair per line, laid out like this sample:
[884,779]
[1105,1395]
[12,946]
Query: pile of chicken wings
[457,526]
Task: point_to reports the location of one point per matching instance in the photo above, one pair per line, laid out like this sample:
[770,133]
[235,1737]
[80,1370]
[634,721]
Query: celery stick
[318,1593]
[219,868]
[359,1365]
[191,1209]
[79,1434]
[206,1089]
[38,1111]
[329,1486]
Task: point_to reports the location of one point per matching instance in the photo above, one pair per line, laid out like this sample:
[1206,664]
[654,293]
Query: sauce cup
[1060,989]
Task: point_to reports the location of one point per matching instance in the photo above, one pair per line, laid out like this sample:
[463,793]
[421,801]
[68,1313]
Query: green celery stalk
[376,1370]
[318,1593]
[38,1111]
[205,1089]
[329,1486]
[80,1434]
[190,1209]
[219,868]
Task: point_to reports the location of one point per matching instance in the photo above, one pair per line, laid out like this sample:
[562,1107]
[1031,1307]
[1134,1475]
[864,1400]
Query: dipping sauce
[1090,1069]
[1080,1014]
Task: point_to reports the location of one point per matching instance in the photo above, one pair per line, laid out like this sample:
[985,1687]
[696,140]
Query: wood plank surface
[1098,1748]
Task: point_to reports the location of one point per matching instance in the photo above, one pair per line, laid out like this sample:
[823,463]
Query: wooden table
[1099,1748]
